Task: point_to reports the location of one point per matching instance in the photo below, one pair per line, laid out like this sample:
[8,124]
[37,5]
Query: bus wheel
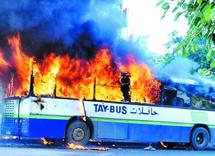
[78,133]
[200,138]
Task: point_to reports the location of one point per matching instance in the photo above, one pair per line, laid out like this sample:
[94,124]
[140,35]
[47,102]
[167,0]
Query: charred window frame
[171,96]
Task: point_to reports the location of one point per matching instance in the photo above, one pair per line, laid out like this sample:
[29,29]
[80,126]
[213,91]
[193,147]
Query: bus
[178,118]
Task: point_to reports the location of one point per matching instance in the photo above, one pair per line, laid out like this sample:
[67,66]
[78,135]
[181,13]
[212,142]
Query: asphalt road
[29,151]
[29,148]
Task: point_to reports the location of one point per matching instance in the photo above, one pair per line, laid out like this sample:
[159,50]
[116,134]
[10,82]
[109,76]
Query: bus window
[212,104]
[202,102]
[169,96]
[186,98]
[176,98]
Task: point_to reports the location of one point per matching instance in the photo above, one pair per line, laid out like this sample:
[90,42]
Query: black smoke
[78,27]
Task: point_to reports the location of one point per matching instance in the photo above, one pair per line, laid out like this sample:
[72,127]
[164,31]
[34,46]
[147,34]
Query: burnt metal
[55,91]
[125,86]
[39,102]
[31,89]
[94,89]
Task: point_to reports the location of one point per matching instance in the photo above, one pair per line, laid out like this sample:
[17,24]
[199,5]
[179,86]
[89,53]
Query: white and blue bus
[179,118]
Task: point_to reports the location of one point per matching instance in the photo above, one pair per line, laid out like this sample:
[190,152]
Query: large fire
[75,77]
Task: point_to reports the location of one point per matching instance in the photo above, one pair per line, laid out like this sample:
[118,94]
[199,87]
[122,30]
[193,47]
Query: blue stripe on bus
[108,131]
[124,132]
[49,128]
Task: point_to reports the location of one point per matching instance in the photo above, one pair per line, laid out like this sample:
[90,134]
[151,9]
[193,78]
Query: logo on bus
[110,108]
[135,110]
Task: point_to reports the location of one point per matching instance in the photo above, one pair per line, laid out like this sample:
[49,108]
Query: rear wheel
[78,133]
[200,138]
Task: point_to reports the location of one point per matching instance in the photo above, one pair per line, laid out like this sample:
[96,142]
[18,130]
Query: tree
[200,15]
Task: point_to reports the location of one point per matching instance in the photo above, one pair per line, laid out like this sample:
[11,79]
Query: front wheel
[77,133]
[200,138]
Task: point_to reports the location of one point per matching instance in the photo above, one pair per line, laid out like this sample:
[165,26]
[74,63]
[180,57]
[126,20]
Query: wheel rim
[200,138]
[78,134]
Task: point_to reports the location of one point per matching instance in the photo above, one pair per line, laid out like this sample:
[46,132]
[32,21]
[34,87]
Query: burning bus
[99,100]
[81,121]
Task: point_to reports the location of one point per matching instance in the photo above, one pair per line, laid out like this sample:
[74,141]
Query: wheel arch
[83,119]
[201,125]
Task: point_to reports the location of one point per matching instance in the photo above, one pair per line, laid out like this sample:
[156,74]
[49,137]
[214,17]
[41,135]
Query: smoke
[76,26]
[180,68]
[182,74]
[81,27]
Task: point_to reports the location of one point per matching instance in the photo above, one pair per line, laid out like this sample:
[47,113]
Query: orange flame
[106,76]
[79,78]
[2,61]
[144,87]
[22,64]
[46,142]
[79,147]
[3,64]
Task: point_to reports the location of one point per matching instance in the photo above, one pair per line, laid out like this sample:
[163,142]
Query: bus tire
[200,138]
[78,133]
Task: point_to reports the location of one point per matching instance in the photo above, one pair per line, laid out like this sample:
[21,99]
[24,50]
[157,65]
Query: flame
[79,147]
[64,76]
[46,142]
[3,64]
[2,61]
[144,87]
[5,137]
[45,75]
[106,76]
[22,65]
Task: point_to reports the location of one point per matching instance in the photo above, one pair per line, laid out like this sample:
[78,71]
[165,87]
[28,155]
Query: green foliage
[200,15]
[171,52]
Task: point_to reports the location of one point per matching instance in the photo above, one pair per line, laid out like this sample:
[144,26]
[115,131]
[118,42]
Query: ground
[29,149]
[23,151]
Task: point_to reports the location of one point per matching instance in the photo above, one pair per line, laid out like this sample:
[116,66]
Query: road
[39,151]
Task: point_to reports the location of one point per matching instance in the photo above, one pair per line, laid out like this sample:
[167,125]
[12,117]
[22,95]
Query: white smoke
[180,68]
[184,71]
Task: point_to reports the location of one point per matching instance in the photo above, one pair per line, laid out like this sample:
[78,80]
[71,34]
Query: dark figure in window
[169,96]
[125,86]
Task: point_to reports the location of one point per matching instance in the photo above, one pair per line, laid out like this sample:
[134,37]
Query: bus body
[32,118]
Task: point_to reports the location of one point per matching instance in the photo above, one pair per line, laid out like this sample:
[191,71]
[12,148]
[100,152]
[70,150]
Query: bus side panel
[212,132]
[47,117]
[110,130]
[211,120]
[156,133]
[144,133]
[127,131]
[175,133]
[142,123]
[49,128]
